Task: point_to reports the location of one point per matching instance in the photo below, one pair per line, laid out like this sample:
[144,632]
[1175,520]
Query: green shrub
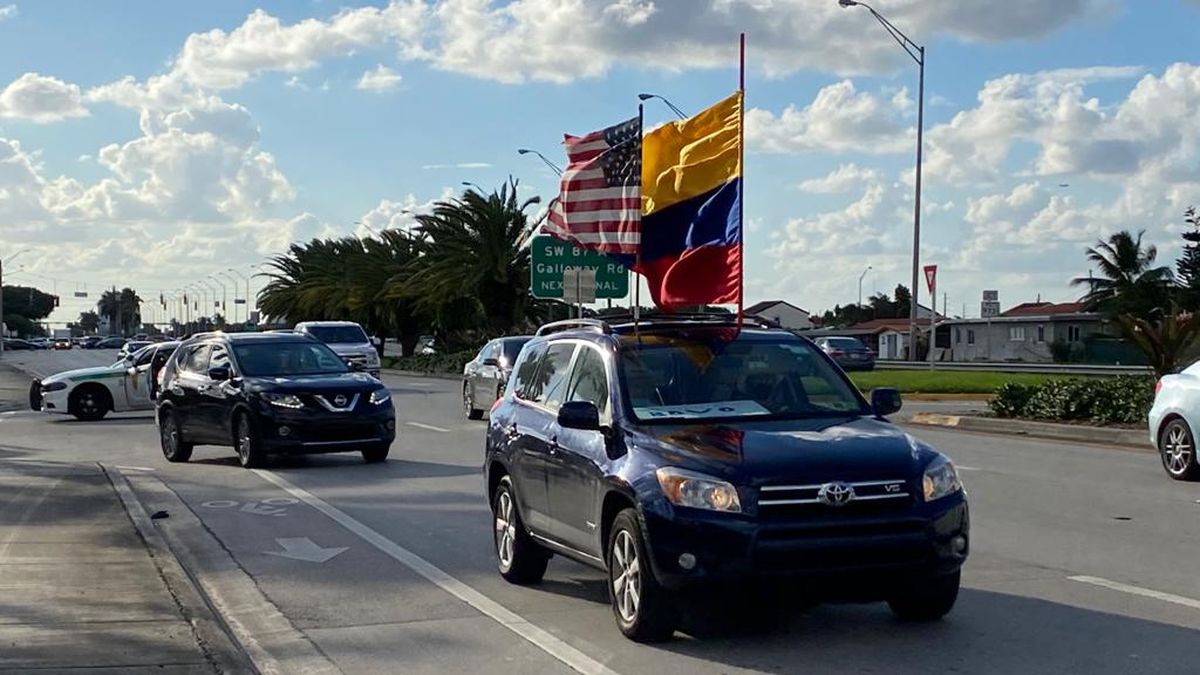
[1010,399]
[1117,400]
[452,362]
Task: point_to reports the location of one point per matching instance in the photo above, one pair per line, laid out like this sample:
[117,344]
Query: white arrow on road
[303,548]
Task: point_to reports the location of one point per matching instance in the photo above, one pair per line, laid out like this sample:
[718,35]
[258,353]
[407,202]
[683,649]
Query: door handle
[511,430]
[554,445]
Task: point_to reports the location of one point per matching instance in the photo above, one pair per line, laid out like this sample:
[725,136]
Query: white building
[783,313]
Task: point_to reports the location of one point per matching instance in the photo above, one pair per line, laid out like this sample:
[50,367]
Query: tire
[644,610]
[376,453]
[89,403]
[35,396]
[469,408]
[1177,450]
[247,444]
[929,600]
[170,437]
[520,560]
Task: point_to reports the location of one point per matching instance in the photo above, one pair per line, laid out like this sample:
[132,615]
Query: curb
[208,629]
[1134,439]
[417,373]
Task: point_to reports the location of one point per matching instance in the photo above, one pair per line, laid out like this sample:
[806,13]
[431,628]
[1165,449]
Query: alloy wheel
[88,404]
[468,404]
[506,530]
[626,576]
[1177,449]
[244,440]
[170,435]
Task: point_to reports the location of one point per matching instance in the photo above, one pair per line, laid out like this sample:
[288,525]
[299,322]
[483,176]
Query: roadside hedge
[432,363]
[1115,400]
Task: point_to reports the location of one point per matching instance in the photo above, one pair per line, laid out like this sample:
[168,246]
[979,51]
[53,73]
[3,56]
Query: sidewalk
[79,589]
[14,389]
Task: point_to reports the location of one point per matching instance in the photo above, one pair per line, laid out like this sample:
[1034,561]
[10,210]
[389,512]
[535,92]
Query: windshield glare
[336,335]
[741,379]
[275,359]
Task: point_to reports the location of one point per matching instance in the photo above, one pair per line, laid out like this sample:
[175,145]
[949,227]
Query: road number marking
[1136,590]
[553,646]
[267,507]
[219,504]
[430,427]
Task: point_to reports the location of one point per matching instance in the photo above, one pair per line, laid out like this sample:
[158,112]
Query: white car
[91,393]
[1174,415]
[347,339]
[132,346]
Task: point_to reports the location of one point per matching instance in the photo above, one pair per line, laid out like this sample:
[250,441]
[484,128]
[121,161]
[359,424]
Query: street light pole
[917,53]
[553,167]
[224,297]
[677,111]
[246,297]
[860,280]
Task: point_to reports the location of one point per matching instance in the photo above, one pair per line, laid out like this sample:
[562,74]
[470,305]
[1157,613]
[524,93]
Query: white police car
[91,393]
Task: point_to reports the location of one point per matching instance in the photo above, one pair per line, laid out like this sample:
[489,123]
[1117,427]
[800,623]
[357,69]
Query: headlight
[283,400]
[941,480]
[54,386]
[698,491]
[373,357]
[381,396]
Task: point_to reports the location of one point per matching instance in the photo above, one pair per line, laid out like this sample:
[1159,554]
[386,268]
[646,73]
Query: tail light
[836,352]
[496,404]
[1157,387]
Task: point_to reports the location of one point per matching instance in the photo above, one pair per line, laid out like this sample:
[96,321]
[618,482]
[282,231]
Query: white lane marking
[1137,590]
[967,468]
[135,468]
[553,646]
[219,504]
[303,548]
[430,427]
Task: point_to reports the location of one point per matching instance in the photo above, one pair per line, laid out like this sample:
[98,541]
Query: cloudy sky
[154,143]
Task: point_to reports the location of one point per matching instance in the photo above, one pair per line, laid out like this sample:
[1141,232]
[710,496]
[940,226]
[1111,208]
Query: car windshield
[278,359]
[847,344]
[510,349]
[336,335]
[745,378]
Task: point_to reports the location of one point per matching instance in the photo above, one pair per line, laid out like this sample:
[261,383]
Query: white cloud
[397,215]
[380,78]
[839,119]
[841,179]
[41,98]
[8,12]
[462,165]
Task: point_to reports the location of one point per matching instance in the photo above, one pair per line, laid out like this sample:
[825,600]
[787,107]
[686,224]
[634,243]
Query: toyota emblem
[340,401]
[836,494]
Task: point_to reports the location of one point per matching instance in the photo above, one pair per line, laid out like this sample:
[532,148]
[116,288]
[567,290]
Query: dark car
[485,376]
[850,353]
[16,344]
[110,343]
[694,454]
[90,342]
[268,394]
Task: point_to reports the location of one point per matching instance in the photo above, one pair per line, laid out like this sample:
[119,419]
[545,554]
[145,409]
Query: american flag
[599,206]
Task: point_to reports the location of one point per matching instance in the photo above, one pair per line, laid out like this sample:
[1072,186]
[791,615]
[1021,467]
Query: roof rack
[568,324]
[668,318]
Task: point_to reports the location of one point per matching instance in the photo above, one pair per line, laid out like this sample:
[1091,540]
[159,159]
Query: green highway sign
[551,257]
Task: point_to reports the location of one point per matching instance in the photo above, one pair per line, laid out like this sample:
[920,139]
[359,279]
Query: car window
[554,375]
[845,343]
[143,357]
[483,353]
[279,359]
[742,378]
[589,380]
[525,376]
[219,358]
[195,360]
[335,335]
[510,349]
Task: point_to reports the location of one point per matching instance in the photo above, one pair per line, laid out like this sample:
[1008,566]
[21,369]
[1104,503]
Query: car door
[532,427]
[216,397]
[489,376]
[575,471]
[475,372]
[190,379]
[137,381]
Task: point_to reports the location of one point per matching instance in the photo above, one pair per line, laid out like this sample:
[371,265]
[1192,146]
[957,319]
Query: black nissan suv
[270,393]
[688,453]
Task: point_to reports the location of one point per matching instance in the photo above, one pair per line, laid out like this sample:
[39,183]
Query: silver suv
[347,339]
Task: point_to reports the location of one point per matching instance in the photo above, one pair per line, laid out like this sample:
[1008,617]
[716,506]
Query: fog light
[391,425]
[959,543]
[687,561]
[285,431]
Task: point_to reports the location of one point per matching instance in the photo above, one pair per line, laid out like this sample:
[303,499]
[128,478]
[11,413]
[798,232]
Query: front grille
[801,501]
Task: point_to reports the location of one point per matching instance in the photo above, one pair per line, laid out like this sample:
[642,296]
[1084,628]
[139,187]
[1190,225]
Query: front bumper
[861,557]
[48,401]
[308,431]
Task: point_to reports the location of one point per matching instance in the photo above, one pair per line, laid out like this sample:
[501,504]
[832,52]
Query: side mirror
[491,362]
[581,415]
[885,401]
[220,373]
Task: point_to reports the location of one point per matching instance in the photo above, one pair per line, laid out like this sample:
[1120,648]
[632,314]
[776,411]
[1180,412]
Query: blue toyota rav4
[689,454]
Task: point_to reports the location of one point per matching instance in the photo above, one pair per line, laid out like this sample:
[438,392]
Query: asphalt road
[1082,560]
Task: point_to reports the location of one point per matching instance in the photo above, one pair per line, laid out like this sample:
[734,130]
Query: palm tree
[1129,282]
[1164,341]
[472,257]
[121,308]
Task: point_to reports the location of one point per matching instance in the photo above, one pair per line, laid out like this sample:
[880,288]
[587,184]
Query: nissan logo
[836,494]
[340,401]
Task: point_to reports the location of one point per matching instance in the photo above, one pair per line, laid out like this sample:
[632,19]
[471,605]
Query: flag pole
[637,283]
[742,168]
